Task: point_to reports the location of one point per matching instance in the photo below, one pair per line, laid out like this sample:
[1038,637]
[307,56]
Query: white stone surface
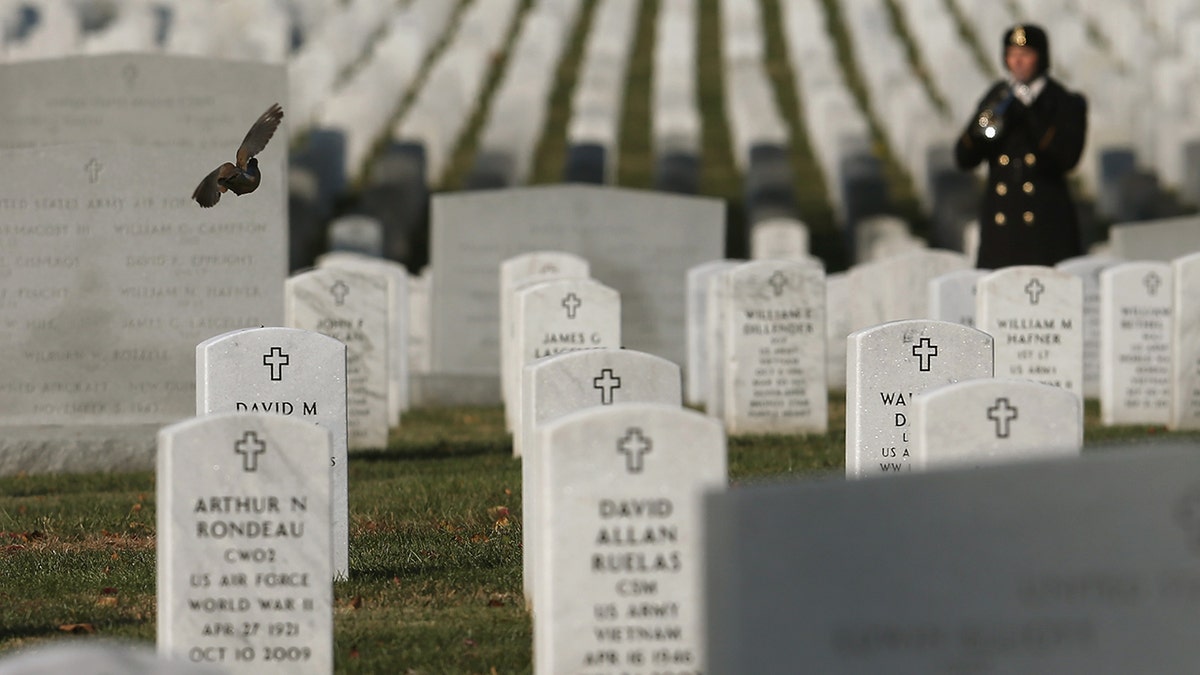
[563,384]
[243,543]
[1135,343]
[897,287]
[698,329]
[1088,268]
[837,327]
[890,365]
[96,656]
[778,238]
[1036,315]
[285,371]
[1185,344]
[351,306]
[952,296]
[774,348]
[622,494]
[992,421]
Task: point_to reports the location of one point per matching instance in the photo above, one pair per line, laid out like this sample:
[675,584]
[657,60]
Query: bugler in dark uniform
[1031,131]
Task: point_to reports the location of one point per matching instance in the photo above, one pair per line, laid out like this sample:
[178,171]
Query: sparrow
[242,177]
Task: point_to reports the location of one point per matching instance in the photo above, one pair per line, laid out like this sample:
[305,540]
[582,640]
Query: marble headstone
[1135,343]
[992,421]
[1088,268]
[245,573]
[1036,315]
[1185,344]
[517,271]
[285,371]
[622,488]
[1086,565]
[97,658]
[563,384]
[897,287]
[696,371]
[774,348]
[952,296]
[778,238]
[837,327]
[351,306]
[890,365]
[555,317]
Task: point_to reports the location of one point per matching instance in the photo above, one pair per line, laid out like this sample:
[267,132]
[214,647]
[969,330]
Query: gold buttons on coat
[1028,216]
[1003,159]
[999,218]
[1027,187]
[1030,160]
[1001,189]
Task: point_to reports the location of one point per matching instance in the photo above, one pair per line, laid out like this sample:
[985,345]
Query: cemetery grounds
[435,544]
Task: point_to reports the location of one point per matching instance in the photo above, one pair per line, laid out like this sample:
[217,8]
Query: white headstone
[696,370]
[886,368]
[952,296]
[622,490]
[837,327]
[778,238]
[527,268]
[897,287]
[398,313]
[1088,269]
[245,562]
[716,303]
[97,657]
[285,371]
[351,306]
[992,421]
[1135,343]
[559,385]
[774,348]
[1036,315]
[419,292]
[1185,344]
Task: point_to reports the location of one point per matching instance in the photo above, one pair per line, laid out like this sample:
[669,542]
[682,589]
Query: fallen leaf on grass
[354,652]
[108,590]
[356,602]
[468,642]
[78,628]
[495,602]
[106,601]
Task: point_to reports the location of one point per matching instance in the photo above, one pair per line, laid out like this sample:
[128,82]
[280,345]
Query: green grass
[435,533]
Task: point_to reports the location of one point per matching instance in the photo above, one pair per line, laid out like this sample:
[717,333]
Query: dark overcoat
[1027,216]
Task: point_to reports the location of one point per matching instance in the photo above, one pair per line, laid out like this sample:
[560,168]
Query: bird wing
[256,139]
[208,192]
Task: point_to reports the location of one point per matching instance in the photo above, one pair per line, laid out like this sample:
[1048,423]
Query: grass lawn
[435,538]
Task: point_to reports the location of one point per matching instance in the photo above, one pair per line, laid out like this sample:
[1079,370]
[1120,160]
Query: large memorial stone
[555,317]
[243,540]
[351,306]
[774,348]
[527,268]
[696,370]
[1036,315]
[1084,565]
[620,589]
[992,421]
[952,296]
[559,385]
[1135,355]
[1088,269]
[887,367]
[639,243]
[1185,344]
[107,284]
[285,371]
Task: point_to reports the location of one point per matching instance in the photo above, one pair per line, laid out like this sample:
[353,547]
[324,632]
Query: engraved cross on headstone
[276,360]
[928,351]
[1152,281]
[250,447]
[571,303]
[778,281]
[1034,288]
[1001,413]
[607,384]
[634,445]
[93,168]
[339,290]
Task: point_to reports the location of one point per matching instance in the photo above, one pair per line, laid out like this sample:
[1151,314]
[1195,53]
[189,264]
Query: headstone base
[77,449]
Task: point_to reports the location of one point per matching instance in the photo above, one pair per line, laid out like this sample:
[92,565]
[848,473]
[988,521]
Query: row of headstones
[518,107]
[594,130]
[675,106]
[758,132]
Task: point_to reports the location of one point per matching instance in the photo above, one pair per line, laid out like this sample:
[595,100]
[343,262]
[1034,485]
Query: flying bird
[242,177]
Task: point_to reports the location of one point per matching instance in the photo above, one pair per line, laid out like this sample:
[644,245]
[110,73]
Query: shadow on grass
[432,450]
